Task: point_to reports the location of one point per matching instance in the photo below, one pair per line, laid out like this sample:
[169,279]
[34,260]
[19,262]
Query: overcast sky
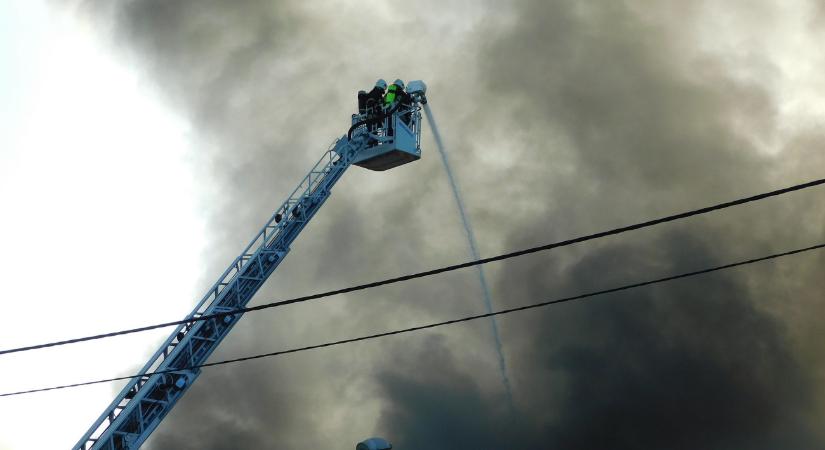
[148,134]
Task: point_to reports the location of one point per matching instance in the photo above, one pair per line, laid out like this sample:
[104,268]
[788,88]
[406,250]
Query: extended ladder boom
[143,403]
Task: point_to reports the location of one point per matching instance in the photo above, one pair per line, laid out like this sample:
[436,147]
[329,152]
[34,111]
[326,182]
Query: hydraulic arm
[378,142]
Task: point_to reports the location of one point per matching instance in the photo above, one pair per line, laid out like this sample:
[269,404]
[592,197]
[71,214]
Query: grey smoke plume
[568,117]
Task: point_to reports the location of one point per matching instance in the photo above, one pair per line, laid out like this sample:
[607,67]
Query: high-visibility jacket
[390,96]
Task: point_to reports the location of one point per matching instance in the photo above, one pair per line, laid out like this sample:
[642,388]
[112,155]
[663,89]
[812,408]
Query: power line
[431,325]
[428,273]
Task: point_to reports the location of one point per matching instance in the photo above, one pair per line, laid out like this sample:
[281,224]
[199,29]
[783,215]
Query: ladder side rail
[138,426]
[261,237]
[317,190]
[118,404]
[267,258]
[316,198]
[211,296]
[214,331]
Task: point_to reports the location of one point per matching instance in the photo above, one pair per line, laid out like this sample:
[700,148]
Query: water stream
[468,229]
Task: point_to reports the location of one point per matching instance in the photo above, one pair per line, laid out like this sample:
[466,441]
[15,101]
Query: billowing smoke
[564,118]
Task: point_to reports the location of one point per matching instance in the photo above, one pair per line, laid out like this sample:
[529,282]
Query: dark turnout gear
[370,105]
[373,100]
[370,102]
[362,102]
[405,100]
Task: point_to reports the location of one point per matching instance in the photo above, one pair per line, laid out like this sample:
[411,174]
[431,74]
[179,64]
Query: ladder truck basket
[394,136]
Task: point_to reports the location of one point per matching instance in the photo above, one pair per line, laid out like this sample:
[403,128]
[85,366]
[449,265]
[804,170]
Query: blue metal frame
[386,152]
[144,401]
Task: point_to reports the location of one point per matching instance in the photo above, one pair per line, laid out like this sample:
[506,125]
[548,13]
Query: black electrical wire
[431,325]
[428,273]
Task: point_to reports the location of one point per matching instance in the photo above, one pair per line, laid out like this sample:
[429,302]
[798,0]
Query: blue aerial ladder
[377,140]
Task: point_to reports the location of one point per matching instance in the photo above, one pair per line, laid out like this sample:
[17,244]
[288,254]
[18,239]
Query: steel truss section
[144,401]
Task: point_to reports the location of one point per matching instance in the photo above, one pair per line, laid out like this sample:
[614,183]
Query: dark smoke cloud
[693,365]
[645,123]
[564,118]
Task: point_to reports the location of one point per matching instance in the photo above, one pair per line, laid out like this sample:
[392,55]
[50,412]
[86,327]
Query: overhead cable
[428,326]
[427,273]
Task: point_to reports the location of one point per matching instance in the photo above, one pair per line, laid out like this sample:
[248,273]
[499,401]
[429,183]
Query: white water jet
[468,229]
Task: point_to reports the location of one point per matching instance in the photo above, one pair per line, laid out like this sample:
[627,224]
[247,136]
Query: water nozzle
[418,91]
